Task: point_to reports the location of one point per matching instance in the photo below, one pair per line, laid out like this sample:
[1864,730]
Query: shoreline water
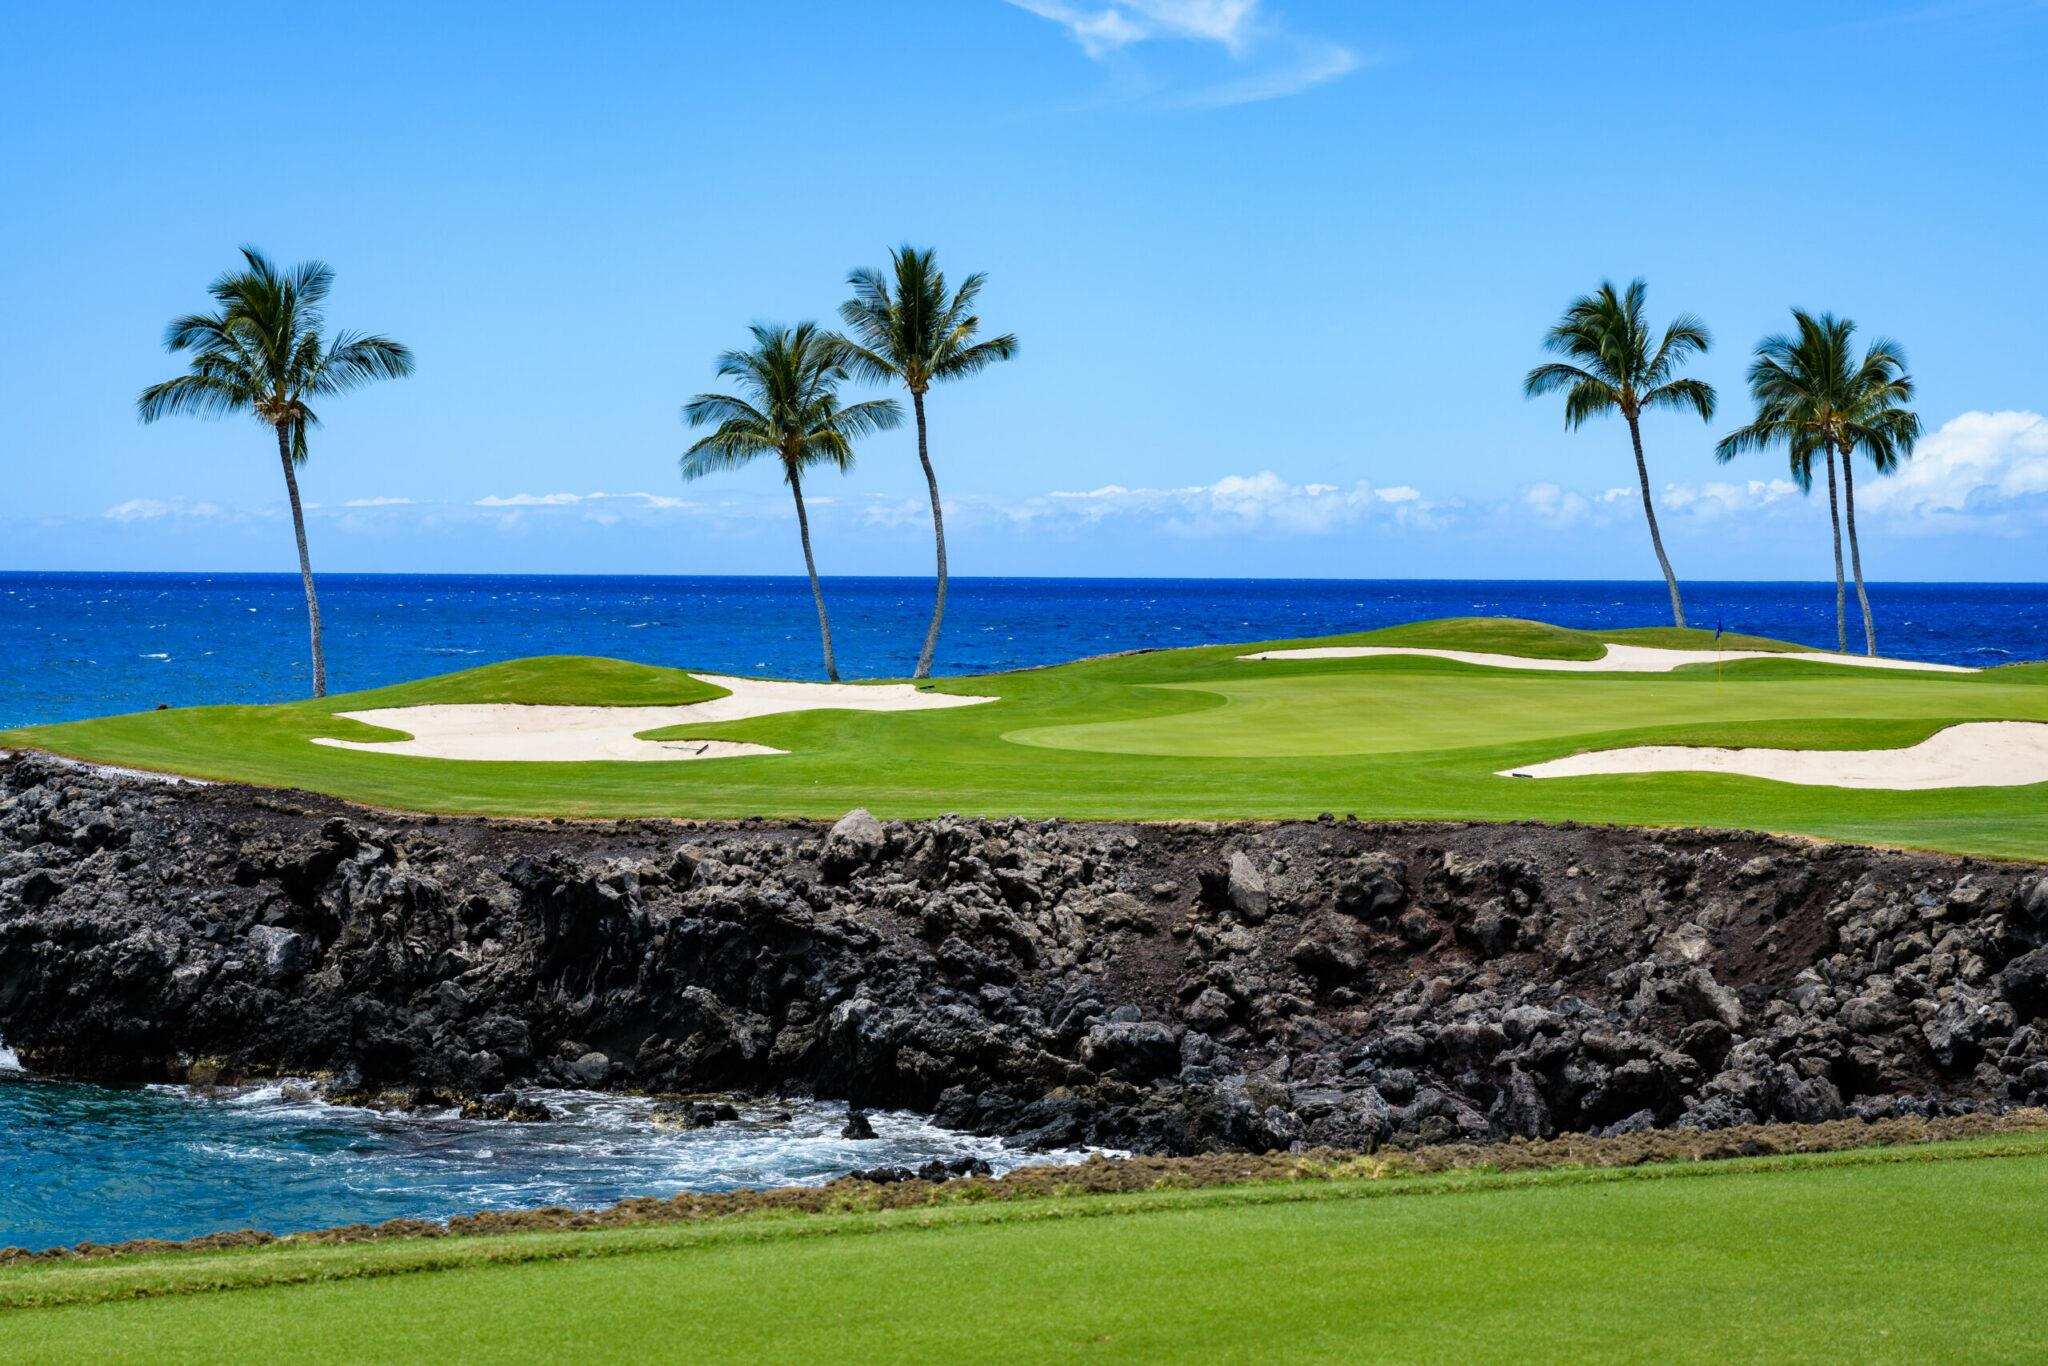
[95,644]
[275,1157]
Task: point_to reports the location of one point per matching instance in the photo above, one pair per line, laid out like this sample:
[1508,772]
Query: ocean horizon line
[292,578]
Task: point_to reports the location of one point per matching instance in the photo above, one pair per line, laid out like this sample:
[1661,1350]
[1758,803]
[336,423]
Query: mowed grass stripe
[1894,1254]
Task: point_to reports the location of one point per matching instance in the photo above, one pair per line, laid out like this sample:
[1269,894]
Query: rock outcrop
[1171,989]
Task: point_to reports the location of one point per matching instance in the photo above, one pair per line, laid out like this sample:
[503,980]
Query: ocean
[77,645]
[90,1162]
[109,1164]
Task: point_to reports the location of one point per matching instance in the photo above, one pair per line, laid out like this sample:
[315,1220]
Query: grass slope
[1184,734]
[1892,1254]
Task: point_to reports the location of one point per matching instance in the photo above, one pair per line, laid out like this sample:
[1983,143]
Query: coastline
[1160,989]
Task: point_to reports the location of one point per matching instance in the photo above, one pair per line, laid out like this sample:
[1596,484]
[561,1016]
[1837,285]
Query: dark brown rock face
[1164,988]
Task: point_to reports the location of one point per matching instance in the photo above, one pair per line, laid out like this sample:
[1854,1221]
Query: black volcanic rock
[1162,988]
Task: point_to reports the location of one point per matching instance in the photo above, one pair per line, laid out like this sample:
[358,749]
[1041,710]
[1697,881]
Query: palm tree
[790,379]
[262,353]
[1615,368]
[1875,421]
[1815,398]
[905,327]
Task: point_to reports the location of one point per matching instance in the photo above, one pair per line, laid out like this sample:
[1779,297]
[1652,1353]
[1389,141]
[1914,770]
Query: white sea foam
[276,1156]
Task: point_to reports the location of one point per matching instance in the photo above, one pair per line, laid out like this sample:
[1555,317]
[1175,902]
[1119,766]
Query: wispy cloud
[1261,503]
[1268,59]
[1980,473]
[556,500]
[528,500]
[155,509]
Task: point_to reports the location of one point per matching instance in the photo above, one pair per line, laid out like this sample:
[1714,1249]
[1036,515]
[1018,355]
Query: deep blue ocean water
[81,1162]
[75,645]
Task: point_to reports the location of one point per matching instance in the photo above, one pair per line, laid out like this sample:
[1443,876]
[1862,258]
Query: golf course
[1190,734]
[1776,1257]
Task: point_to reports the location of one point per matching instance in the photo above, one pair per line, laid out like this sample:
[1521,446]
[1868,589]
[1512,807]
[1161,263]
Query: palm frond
[352,361]
[869,416]
[903,324]
[959,362]
[194,396]
[1759,435]
[866,363]
[1609,362]
[1681,394]
[263,351]
[1552,376]
[1589,399]
[707,409]
[733,445]
[788,406]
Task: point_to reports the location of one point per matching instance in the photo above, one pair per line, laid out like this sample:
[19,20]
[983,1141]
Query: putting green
[1402,706]
[1179,734]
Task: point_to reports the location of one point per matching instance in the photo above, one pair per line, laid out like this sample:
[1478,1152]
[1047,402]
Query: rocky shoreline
[1164,989]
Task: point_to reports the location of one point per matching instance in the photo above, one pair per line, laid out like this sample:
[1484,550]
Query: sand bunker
[1619,659]
[545,734]
[1975,754]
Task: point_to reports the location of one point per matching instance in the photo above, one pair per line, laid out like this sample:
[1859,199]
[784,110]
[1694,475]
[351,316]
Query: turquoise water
[101,1164]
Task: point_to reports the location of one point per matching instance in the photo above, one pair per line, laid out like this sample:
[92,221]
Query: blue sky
[1277,266]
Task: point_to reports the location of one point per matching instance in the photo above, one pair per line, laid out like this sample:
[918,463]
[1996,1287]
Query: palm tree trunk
[1635,437]
[1841,595]
[803,529]
[924,458]
[291,489]
[1856,550]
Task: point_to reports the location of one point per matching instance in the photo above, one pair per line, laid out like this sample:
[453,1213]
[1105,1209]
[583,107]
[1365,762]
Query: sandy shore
[1975,754]
[1620,659]
[547,734]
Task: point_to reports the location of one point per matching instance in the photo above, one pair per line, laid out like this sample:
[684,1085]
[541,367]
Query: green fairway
[1938,1252]
[1182,734]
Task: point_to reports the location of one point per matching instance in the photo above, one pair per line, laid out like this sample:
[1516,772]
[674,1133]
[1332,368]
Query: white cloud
[558,500]
[1274,61]
[152,509]
[528,500]
[1262,502]
[1555,504]
[1101,29]
[1721,499]
[1984,471]
[378,503]
[1309,65]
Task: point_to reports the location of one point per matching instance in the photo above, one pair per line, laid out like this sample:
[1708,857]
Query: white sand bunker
[1619,659]
[1975,754]
[546,734]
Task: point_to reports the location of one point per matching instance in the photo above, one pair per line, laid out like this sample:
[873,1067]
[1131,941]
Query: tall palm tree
[1614,366]
[1814,397]
[790,411]
[1875,421]
[905,327]
[262,352]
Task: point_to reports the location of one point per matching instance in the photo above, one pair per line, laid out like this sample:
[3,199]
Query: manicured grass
[1892,1254]
[1186,734]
